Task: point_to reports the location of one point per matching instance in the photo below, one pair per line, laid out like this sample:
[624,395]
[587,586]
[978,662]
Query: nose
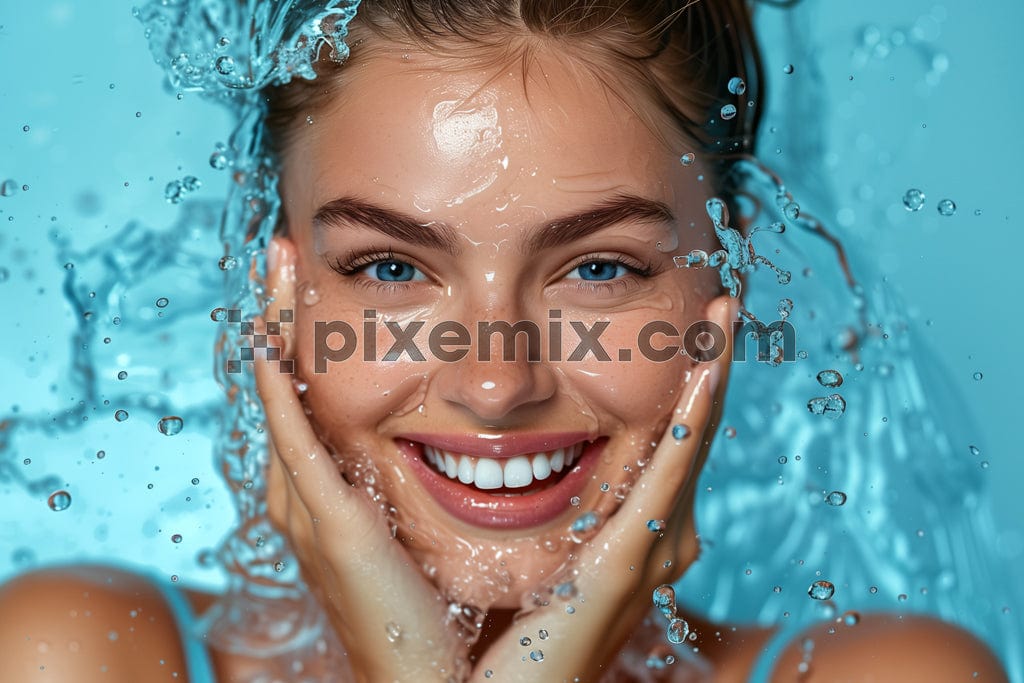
[498,381]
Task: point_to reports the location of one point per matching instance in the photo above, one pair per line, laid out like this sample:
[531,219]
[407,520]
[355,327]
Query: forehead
[410,131]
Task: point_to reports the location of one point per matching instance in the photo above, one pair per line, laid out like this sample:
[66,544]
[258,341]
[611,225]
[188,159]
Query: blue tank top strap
[197,657]
[766,661]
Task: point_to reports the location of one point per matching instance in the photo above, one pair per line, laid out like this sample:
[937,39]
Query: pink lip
[483,509]
[498,446]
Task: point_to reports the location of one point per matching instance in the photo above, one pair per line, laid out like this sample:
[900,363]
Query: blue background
[105,135]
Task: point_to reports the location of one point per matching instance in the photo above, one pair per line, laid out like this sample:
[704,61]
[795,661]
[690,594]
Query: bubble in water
[902,597]
[831,406]
[873,590]
[664,599]
[176,190]
[121,415]
[537,655]
[783,460]
[821,590]
[687,159]
[162,302]
[678,629]
[195,481]
[227,263]
[680,432]
[170,425]
[737,86]
[279,566]
[176,538]
[975,450]
[978,376]
[728,112]
[59,500]
[225,65]
[947,207]
[913,199]
[219,315]
[791,211]
[101,454]
[836,498]
[830,378]
[788,69]
[393,631]
[656,525]
[122,375]
[8,188]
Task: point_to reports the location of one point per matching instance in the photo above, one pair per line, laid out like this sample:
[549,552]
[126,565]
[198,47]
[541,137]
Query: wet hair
[680,54]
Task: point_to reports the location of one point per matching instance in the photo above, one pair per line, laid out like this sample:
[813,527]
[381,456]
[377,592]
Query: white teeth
[558,460]
[518,472]
[541,467]
[493,473]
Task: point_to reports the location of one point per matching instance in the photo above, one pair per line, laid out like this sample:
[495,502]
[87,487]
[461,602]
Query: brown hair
[681,54]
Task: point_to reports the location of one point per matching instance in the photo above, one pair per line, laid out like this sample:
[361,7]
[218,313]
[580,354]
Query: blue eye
[598,270]
[393,271]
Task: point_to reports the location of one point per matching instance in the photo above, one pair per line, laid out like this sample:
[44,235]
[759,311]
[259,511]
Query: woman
[480,180]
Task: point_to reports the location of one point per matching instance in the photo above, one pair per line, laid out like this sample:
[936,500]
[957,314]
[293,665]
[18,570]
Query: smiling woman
[500,506]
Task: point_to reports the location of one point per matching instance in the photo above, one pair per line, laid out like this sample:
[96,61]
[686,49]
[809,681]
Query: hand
[365,579]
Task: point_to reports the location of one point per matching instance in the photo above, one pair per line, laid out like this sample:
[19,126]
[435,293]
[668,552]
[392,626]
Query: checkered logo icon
[247,354]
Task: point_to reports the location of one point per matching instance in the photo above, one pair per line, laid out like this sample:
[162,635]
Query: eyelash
[354,263]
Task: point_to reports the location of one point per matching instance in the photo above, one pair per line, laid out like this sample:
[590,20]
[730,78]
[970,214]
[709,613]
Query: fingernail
[272,255]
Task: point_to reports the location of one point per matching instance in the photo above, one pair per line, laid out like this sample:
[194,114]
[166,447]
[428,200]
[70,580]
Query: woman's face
[422,203]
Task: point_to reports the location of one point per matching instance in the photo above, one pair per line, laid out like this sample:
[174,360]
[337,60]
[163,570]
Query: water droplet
[488,673]
[121,415]
[584,526]
[59,500]
[309,120]
[821,590]
[777,589]
[223,41]
[730,432]
[656,525]
[279,566]
[525,641]
[543,634]
[176,538]
[687,159]
[830,378]
[565,591]
[913,199]
[728,112]
[978,376]
[101,454]
[902,597]
[170,425]
[8,188]
[162,302]
[737,86]
[680,432]
[947,207]
[664,599]
[785,308]
[122,375]
[836,498]
[138,114]
[311,297]
[195,481]
[537,655]
[831,406]
[574,501]
[678,629]
[975,450]
[219,315]
[393,631]
[788,69]
[225,65]
[227,263]
[873,590]
[984,464]
[605,486]
[783,460]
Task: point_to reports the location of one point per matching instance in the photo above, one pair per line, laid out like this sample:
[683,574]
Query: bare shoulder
[85,624]
[884,647]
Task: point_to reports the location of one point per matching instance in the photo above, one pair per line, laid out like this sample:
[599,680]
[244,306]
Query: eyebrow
[621,208]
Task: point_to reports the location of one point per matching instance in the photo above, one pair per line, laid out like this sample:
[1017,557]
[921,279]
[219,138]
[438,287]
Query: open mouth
[528,484]
[515,476]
